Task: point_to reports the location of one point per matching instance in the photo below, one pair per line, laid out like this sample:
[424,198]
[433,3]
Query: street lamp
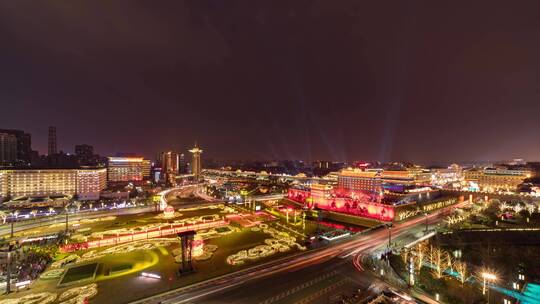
[389,226]
[426,215]
[14,217]
[13,246]
[487,277]
[66,208]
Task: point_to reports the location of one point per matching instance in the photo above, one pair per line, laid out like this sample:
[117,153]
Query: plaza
[112,253]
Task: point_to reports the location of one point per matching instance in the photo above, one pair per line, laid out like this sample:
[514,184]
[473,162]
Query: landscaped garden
[217,251]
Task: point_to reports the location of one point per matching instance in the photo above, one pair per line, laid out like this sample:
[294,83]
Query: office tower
[182,164]
[52,141]
[8,149]
[146,168]
[169,162]
[196,162]
[84,153]
[24,145]
[84,150]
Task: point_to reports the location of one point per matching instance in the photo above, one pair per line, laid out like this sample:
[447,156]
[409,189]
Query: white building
[87,184]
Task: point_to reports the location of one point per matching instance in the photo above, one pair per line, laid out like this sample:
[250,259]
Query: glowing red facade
[344,201]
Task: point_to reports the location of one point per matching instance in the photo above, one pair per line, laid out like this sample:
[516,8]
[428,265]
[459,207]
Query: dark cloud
[341,80]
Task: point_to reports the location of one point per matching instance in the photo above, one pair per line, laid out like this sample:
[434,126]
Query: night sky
[340,80]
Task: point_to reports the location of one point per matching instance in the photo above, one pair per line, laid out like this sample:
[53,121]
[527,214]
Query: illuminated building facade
[3,184]
[441,177]
[90,183]
[497,179]
[403,180]
[128,169]
[379,180]
[86,183]
[196,167]
[361,192]
[170,162]
[356,179]
[353,202]
[320,194]
[146,168]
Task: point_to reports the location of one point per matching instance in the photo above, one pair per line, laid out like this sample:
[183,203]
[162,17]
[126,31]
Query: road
[288,277]
[61,218]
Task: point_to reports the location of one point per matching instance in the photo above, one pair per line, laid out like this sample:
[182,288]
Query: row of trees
[529,207]
[440,262]
[462,215]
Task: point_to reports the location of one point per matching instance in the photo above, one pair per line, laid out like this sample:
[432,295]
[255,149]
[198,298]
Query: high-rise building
[170,162]
[182,167]
[24,145]
[84,153]
[196,167]
[169,166]
[84,150]
[52,141]
[8,149]
[128,169]
[146,168]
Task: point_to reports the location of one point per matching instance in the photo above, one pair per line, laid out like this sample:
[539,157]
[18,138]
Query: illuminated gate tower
[320,195]
[196,162]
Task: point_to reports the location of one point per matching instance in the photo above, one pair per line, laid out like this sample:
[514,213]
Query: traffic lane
[375,238]
[314,259]
[292,285]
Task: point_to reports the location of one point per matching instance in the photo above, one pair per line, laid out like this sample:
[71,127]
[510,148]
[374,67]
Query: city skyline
[240,151]
[157,156]
[301,81]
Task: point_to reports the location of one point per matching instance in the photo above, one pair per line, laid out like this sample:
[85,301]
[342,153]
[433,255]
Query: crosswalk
[323,291]
[298,288]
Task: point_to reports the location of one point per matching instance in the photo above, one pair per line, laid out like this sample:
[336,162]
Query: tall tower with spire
[196,161]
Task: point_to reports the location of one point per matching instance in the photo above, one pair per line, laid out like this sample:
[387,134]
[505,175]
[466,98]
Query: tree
[531,207]
[461,269]
[449,260]
[436,258]
[405,256]
[421,251]
[78,204]
[4,216]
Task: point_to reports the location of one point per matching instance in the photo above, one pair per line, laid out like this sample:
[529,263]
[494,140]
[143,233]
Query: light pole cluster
[488,277]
